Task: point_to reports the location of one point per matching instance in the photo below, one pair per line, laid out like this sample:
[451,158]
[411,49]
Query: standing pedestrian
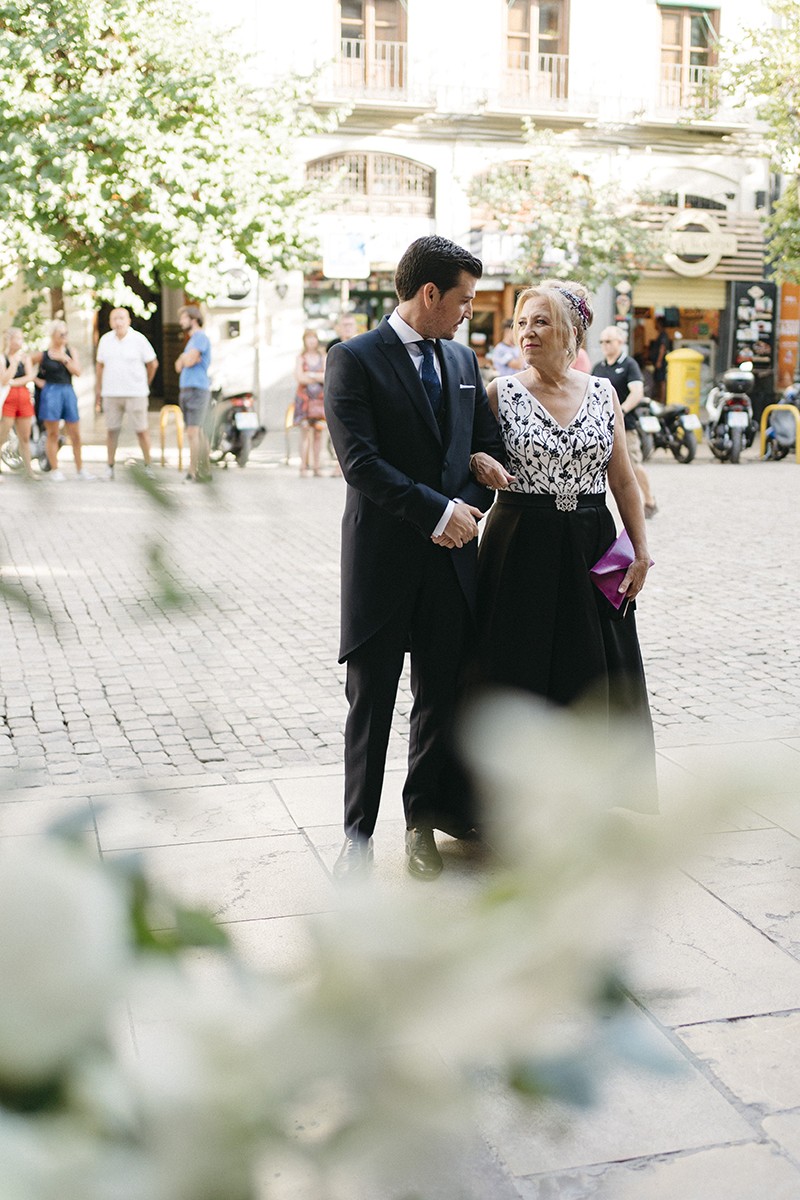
[195,390]
[17,373]
[57,367]
[126,365]
[658,349]
[626,378]
[309,407]
[406,409]
[505,357]
[346,327]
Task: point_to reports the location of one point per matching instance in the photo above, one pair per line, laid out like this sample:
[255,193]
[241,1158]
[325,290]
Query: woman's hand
[635,577]
[489,472]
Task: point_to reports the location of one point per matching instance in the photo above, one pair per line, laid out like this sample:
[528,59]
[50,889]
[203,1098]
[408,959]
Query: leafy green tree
[761,68]
[566,225]
[133,149]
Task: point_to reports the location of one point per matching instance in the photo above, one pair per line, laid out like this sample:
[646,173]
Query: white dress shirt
[409,337]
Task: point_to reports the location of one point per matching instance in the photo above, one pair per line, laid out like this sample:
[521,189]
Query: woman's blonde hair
[568,307]
[58,327]
[310,333]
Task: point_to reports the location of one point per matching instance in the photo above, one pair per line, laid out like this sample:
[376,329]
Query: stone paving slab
[694,960]
[756,1058]
[639,1113]
[733,1173]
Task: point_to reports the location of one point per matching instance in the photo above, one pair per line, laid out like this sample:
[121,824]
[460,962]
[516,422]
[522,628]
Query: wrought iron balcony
[534,79]
[374,69]
[688,89]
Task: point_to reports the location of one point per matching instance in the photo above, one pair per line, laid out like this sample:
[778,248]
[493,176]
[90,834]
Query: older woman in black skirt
[544,626]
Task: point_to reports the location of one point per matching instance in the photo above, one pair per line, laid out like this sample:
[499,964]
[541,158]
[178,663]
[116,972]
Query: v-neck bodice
[547,457]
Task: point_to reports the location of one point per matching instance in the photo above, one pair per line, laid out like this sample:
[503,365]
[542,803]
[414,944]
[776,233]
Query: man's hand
[461,528]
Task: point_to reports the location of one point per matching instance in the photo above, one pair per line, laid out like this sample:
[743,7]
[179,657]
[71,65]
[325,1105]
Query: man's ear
[429,293]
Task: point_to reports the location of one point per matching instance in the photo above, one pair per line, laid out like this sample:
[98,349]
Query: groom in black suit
[406,409]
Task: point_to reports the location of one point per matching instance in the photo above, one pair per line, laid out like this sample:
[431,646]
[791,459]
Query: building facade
[431,96]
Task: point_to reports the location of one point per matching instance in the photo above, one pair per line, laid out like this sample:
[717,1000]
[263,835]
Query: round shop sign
[696,243]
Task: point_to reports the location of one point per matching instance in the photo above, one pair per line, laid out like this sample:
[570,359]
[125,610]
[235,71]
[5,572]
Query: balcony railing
[376,69]
[688,88]
[535,78]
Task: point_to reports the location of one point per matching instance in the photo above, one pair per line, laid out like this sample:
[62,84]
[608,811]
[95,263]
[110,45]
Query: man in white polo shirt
[126,364]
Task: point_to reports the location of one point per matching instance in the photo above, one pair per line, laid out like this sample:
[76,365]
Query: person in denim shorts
[195,390]
[58,402]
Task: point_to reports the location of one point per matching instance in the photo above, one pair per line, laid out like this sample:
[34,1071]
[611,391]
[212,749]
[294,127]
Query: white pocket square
[466,387]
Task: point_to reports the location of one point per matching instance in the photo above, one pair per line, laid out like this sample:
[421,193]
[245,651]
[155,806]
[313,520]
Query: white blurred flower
[57,1158]
[63,950]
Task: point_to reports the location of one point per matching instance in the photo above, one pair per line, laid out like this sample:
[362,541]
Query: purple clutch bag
[609,571]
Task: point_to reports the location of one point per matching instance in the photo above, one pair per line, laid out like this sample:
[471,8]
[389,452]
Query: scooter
[667,427]
[233,427]
[730,424]
[781,433]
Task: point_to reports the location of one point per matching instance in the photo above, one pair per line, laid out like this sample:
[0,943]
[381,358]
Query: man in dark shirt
[658,350]
[626,378]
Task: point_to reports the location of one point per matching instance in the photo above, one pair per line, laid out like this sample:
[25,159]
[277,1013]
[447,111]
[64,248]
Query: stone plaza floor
[209,736]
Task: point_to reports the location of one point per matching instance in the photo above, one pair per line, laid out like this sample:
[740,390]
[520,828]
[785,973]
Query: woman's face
[537,335]
[58,335]
[311,341]
[15,342]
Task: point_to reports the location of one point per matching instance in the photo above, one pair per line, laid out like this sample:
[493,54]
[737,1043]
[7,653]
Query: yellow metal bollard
[175,410]
[783,408]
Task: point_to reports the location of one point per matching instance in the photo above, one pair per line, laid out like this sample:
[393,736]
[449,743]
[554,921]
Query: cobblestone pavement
[104,680]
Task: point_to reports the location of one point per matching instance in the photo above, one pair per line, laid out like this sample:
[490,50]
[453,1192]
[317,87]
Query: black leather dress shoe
[355,859]
[424,860]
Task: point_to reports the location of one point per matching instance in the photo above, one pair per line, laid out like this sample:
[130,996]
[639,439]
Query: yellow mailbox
[683,378]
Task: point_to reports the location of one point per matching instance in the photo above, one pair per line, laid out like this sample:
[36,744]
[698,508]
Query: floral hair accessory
[578,306]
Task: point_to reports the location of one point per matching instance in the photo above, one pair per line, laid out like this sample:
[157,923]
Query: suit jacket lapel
[406,372]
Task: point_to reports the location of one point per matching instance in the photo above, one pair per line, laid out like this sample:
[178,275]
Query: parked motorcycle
[667,427]
[781,433]
[730,414]
[233,427]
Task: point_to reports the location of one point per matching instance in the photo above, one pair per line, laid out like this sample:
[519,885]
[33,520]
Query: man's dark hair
[433,260]
[192,312]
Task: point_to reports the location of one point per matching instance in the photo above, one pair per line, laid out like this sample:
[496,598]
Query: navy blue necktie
[430,380]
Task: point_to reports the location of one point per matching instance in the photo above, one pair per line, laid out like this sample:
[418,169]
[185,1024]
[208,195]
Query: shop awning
[673,292]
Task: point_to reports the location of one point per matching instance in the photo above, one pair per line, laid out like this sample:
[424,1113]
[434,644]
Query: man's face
[448,309]
[185,322]
[611,347]
[346,328]
[120,321]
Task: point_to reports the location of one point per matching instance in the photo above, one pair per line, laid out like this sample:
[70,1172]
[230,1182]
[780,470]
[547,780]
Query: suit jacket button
[445,465]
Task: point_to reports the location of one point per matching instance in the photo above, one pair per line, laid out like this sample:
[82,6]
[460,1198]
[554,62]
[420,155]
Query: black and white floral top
[547,458]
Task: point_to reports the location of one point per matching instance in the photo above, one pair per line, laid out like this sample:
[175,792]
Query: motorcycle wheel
[243,452]
[10,454]
[684,445]
[736,445]
[647,444]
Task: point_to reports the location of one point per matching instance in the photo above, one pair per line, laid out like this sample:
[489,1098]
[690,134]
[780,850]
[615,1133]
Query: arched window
[380,184]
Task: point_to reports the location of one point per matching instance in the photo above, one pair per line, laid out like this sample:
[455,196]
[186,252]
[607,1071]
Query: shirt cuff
[445,517]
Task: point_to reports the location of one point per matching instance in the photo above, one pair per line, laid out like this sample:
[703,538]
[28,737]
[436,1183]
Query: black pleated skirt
[543,625]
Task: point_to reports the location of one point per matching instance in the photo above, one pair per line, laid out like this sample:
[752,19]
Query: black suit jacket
[401,470]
